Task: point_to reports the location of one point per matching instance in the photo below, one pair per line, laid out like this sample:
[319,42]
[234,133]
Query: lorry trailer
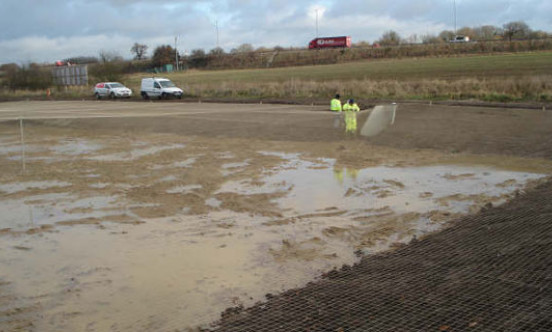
[330,42]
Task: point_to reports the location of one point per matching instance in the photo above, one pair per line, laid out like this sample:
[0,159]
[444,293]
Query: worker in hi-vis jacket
[351,106]
[335,105]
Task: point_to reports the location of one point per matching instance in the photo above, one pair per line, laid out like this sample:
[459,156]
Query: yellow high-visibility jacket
[351,108]
[335,105]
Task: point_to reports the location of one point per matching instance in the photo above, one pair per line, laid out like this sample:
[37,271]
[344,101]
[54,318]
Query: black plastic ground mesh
[488,272]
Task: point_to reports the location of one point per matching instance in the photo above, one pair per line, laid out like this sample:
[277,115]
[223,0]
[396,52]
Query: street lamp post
[454,12]
[316,23]
[217,29]
[176,51]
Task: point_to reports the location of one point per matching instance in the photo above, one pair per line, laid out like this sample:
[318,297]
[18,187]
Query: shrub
[31,77]
[107,71]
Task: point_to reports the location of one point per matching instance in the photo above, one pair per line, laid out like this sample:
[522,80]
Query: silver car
[111,90]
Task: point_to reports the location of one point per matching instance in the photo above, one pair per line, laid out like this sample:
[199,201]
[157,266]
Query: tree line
[199,58]
[508,32]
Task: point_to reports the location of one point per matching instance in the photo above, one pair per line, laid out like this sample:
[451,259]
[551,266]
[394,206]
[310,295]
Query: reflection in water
[340,172]
[306,188]
[338,120]
[352,173]
[381,117]
[350,123]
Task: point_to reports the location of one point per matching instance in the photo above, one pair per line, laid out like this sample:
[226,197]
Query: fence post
[22,145]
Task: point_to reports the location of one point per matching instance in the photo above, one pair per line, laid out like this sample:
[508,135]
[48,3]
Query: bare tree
[108,56]
[198,59]
[446,35]
[412,39]
[362,43]
[390,38]
[486,32]
[539,34]
[139,51]
[197,53]
[244,48]
[162,55]
[109,69]
[517,29]
[466,31]
[217,51]
[431,39]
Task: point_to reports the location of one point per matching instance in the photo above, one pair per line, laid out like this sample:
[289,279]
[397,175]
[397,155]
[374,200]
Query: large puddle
[159,234]
[309,187]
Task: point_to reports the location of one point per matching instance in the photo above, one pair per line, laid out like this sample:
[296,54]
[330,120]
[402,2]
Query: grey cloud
[92,25]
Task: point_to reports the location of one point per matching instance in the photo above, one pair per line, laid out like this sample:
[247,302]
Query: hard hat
[352,101]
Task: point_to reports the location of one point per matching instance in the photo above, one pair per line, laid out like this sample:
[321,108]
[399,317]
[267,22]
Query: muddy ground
[489,272]
[502,131]
[452,129]
[187,193]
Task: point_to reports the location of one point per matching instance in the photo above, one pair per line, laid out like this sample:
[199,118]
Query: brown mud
[200,208]
[487,272]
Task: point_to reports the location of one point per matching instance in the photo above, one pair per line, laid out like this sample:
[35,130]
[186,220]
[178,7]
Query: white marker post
[394,106]
[22,144]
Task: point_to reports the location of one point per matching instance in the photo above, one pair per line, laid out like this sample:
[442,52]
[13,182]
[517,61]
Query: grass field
[510,77]
[505,77]
[511,65]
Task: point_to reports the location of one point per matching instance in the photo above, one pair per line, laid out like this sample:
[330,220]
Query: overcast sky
[45,31]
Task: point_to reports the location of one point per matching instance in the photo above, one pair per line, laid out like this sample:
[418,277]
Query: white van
[157,87]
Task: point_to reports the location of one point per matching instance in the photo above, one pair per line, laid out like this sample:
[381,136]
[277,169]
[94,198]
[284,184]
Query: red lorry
[330,42]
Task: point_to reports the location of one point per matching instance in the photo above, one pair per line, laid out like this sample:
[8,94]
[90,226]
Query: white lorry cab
[157,87]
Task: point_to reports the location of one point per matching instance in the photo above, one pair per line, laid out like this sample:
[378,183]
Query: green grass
[504,77]
[510,65]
